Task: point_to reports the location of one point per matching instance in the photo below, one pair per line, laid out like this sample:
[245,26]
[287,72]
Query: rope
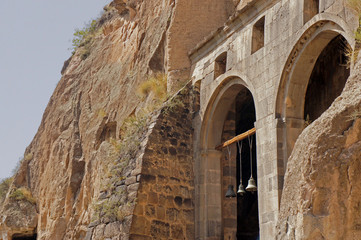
[240,161]
[250,139]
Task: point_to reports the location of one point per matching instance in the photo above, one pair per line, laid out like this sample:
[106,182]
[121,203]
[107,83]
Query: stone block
[89,234]
[188,215]
[133,187]
[160,230]
[150,211]
[160,212]
[177,231]
[190,231]
[141,225]
[139,209]
[152,198]
[172,214]
[131,180]
[111,229]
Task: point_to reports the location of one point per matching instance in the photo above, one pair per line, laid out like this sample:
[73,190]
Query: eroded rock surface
[321,196]
[68,160]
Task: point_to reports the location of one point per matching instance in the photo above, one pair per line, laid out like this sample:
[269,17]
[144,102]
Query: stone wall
[165,200]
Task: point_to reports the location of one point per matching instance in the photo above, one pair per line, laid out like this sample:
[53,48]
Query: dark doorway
[327,80]
[18,237]
[247,205]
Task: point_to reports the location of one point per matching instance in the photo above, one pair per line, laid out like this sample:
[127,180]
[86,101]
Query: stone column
[210,190]
[267,176]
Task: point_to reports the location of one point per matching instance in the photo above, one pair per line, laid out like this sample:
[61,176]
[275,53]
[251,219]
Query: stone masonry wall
[165,204]
[262,73]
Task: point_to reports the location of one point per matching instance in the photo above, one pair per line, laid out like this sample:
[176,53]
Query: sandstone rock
[321,195]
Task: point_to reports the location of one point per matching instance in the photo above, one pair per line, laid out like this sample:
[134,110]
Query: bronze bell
[251,185]
[241,190]
[230,192]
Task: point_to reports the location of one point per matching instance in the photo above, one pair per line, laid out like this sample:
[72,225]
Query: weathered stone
[322,186]
[89,234]
[111,229]
[178,201]
[131,180]
[172,214]
[152,197]
[177,232]
[133,187]
[160,229]
[267,47]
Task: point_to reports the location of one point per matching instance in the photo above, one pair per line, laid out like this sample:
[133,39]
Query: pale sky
[35,36]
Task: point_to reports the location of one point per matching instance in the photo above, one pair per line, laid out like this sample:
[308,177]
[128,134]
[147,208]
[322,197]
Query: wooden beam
[237,138]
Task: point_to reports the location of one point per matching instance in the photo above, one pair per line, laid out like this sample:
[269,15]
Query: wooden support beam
[237,138]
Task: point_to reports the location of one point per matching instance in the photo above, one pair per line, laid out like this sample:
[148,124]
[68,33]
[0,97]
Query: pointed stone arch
[290,98]
[210,220]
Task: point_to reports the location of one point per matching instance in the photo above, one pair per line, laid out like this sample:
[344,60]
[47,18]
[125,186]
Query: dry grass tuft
[22,194]
[157,85]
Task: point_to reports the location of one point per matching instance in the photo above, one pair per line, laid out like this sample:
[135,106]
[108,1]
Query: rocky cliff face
[321,196]
[64,181]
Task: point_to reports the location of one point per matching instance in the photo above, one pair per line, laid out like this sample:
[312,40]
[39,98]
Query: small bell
[230,192]
[241,190]
[251,185]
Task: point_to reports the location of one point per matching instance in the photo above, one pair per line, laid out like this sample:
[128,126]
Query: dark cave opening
[327,80]
[21,237]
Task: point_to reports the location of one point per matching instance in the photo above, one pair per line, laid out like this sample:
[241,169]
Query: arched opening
[247,205]
[230,105]
[327,79]
[240,213]
[313,77]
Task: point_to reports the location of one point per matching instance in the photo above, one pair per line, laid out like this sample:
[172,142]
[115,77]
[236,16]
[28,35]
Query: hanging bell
[230,192]
[241,190]
[251,185]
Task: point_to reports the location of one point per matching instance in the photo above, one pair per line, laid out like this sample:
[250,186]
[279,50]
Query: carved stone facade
[271,49]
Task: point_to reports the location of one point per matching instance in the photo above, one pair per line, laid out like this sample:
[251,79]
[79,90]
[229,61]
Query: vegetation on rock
[350,53]
[116,205]
[156,85]
[4,188]
[83,38]
[22,194]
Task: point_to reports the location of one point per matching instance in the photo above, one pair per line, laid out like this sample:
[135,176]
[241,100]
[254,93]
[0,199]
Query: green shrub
[83,38]
[4,188]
